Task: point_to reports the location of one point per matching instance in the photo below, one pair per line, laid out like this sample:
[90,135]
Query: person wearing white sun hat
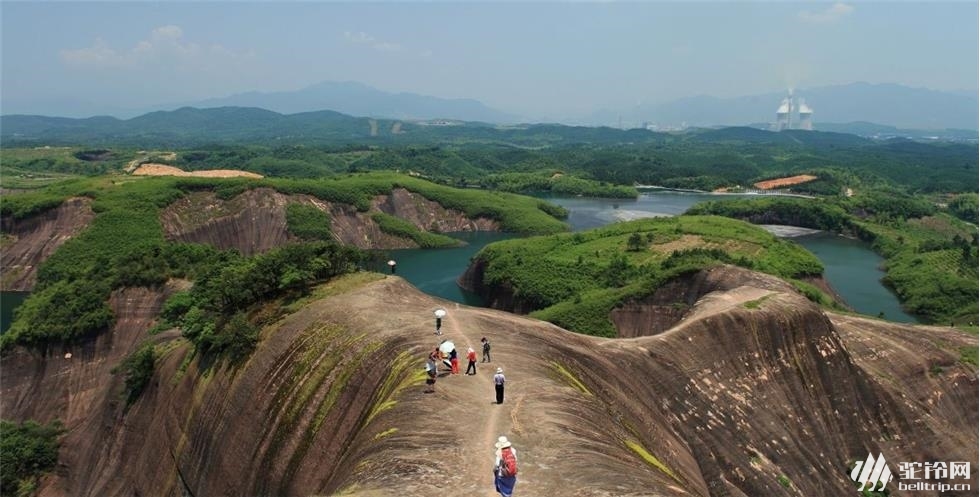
[505,467]
[498,384]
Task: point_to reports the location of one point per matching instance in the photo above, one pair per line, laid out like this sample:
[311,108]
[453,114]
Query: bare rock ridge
[33,240]
[728,399]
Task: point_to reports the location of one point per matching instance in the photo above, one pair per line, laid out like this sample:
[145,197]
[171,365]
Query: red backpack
[508,463]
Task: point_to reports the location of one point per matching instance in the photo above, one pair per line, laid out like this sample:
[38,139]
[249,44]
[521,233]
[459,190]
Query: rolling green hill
[575,279]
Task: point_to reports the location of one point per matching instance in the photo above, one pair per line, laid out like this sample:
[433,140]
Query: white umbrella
[440,313]
[391,263]
[446,347]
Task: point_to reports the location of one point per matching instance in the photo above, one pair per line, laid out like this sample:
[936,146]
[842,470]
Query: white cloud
[830,14]
[359,37]
[387,47]
[165,45]
[99,54]
[362,38]
[169,32]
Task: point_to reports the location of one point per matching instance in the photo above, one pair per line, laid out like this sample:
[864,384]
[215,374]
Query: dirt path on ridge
[476,390]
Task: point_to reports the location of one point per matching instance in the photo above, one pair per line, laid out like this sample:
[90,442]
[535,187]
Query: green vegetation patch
[29,450]
[125,247]
[515,213]
[401,375]
[574,280]
[401,228]
[307,222]
[784,481]
[570,378]
[807,213]
[556,182]
[652,460]
[137,371]
[755,304]
[969,355]
[212,314]
[314,355]
[930,256]
[384,434]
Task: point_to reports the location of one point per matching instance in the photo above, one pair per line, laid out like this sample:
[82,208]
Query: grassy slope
[574,280]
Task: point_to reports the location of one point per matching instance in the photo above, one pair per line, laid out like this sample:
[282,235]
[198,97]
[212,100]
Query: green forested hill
[309,145]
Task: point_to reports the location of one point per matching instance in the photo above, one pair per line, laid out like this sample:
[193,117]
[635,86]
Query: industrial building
[793,113]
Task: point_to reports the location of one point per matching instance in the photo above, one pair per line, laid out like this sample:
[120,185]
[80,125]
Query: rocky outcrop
[494,296]
[753,391]
[255,221]
[428,215]
[252,222]
[76,385]
[29,242]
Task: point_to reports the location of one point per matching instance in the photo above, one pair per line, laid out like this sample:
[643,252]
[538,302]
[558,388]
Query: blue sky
[533,59]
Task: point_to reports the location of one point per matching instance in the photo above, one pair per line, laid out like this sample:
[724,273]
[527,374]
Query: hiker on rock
[498,385]
[430,371]
[471,357]
[446,351]
[454,360]
[486,349]
[435,357]
[505,468]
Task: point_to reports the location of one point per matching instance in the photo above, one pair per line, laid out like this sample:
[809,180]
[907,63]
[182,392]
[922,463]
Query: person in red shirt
[471,357]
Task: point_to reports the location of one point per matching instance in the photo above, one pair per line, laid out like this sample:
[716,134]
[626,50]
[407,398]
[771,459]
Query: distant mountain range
[885,104]
[357,99]
[189,126]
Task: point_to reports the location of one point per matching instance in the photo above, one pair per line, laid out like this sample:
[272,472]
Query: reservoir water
[852,269]
[434,271]
[8,302]
[850,266]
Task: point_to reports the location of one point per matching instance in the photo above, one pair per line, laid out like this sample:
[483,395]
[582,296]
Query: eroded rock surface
[29,242]
[255,221]
[729,400]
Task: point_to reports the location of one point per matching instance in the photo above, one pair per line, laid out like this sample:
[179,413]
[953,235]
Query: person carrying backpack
[505,468]
[486,349]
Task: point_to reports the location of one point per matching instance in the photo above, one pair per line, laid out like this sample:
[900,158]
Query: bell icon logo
[870,473]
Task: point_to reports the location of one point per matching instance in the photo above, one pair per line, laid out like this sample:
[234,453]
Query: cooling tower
[782,114]
[806,116]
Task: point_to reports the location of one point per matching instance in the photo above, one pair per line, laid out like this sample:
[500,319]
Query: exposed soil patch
[683,243]
[165,170]
[788,181]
